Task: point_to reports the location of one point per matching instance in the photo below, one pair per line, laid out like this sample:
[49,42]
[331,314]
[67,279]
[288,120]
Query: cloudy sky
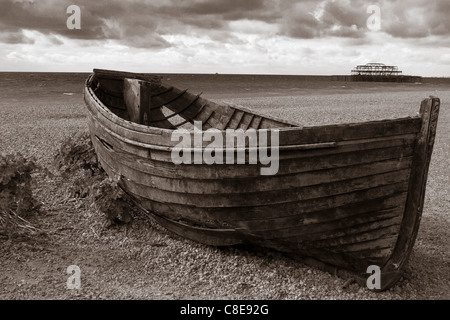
[226,36]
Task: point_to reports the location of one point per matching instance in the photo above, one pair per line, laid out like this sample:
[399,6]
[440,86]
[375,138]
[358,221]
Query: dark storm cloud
[129,23]
[134,23]
[214,14]
[417,19]
[143,24]
[48,17]
[348,18]
[220,7]
[312,19]
[349,21]
[27,15]
[229,10]
[439,22]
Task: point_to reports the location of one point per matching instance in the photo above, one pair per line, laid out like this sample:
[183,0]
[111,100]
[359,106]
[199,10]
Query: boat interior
[146,100]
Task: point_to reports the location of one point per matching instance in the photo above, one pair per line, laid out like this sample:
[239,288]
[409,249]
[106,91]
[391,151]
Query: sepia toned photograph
[224,155]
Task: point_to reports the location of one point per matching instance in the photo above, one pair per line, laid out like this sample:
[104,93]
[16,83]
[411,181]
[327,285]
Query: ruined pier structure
[380,72]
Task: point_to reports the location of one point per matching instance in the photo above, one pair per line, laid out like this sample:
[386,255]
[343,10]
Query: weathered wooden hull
[345,197]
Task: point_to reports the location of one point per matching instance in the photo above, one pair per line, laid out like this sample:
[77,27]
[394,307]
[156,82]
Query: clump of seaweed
[16,194]
[77,161]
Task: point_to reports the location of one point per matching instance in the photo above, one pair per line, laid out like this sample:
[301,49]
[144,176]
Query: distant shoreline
[311,76]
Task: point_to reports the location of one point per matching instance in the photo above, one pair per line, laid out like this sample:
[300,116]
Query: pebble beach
[144,261]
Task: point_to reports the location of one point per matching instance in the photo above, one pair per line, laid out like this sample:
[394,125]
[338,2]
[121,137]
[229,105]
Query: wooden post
[136,100]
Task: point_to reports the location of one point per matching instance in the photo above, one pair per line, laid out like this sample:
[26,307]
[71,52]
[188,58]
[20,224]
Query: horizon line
[218,73]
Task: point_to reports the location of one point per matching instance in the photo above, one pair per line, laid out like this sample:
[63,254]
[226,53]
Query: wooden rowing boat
[345,197]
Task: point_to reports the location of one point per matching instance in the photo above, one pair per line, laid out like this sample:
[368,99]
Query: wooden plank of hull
[338,242]
[118,145]
[380,230]
[353,211]
[258,184]
[347,264]
[354,131]
[275,196]
[286,166]
[311,150]
[310,211]
[240,186]
[377,253]
[338,228]
[340,147]
[244,184]
[385,240]
[208,236]
[363,241]
[376,250]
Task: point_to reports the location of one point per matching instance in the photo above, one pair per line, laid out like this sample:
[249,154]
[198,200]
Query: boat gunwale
[97,104]
[118,75]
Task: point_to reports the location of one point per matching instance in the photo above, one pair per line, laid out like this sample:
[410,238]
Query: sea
[43,84]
